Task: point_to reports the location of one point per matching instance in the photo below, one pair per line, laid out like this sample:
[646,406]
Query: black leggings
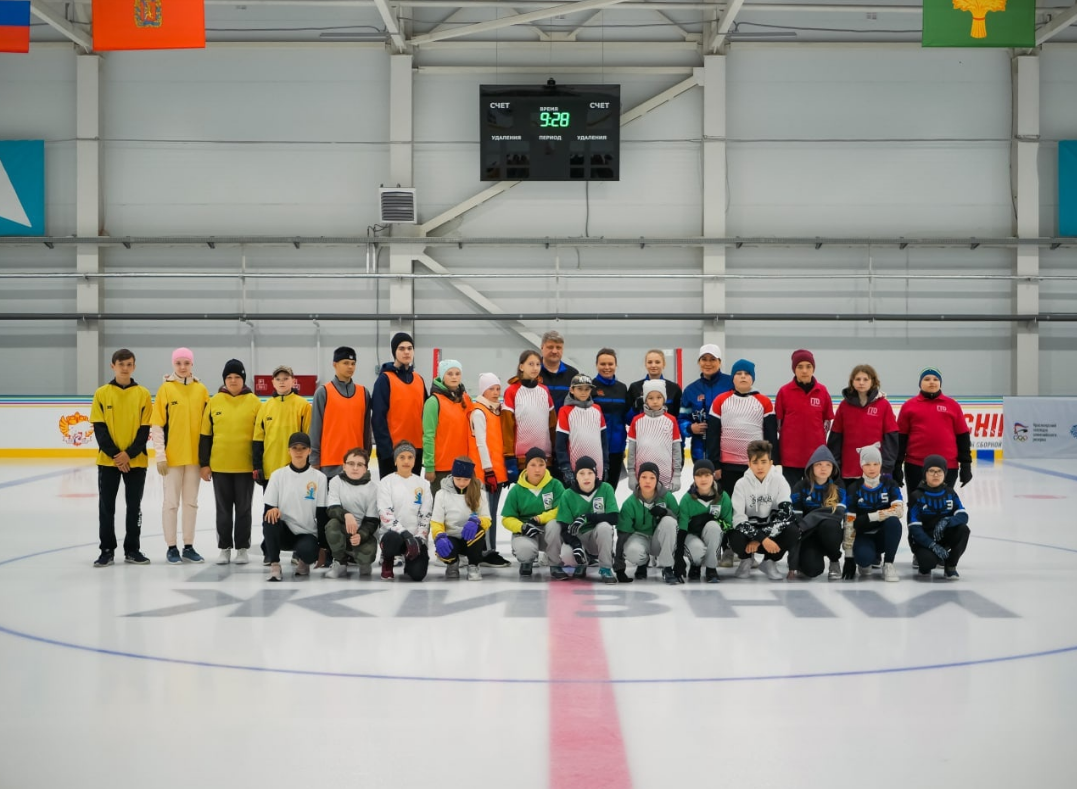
[392,545]
[738,541]
[278,537]
[817,543]
[617,465]
[955,538]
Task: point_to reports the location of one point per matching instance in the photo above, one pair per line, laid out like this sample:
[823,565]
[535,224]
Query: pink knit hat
[182,353]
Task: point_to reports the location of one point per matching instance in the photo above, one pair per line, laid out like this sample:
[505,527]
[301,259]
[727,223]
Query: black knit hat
[399,337]
[935,461]
[586,462]
[234,367]
[651,467]
[343,353]
[703,465]
[534,452]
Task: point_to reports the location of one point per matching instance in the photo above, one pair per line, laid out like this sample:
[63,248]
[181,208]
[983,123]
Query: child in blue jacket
[938,524]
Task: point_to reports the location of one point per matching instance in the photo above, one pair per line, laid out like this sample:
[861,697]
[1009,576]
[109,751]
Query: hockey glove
[512,468]
[412,546]
[848,570]
[659,511]
[531,529]
[576,525]
[939,551]
[471,529]
[965,474]
[490,480]
[443,545]
[940,528]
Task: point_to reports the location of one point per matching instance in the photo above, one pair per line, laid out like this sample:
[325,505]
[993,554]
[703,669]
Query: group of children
[321,503]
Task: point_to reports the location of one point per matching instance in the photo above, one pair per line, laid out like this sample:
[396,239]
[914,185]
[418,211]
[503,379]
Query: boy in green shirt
[588,512]
[530,513]
[705,512]
[647,526]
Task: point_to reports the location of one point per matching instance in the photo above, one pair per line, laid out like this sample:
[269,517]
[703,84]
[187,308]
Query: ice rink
[173,676]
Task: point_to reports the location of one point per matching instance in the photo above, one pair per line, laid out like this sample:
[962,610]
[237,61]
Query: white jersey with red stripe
[531,406]
[584,427]
[742,422]
[654,438]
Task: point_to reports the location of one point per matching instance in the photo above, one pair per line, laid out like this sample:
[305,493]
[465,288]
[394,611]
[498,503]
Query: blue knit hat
[462,467]
[931,371]
[743,366]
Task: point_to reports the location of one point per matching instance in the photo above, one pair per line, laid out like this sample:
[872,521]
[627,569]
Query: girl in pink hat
[174,429]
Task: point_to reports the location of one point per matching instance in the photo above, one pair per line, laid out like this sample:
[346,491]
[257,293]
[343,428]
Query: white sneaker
[863,571]
[890,572]
[225,557]
[771,571]
[241,556]
[726,559]
[835,570]
[337,570]
[744,569]
[543,559]
[755,563]
[474,573]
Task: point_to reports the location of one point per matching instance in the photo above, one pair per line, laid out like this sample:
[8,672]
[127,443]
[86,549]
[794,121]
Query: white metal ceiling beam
[483,303]
[1057,25]
[391,25]
[519,19]
[718,43]
[503,186]
[55,20]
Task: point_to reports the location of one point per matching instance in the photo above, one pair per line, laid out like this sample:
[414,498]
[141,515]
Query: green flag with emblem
[979,23]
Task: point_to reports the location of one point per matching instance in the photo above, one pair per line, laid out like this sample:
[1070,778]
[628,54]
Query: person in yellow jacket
[174,429]
[225,453]
[281,415]
[121,424]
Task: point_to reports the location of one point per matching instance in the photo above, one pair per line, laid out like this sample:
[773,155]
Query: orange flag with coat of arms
[149,24]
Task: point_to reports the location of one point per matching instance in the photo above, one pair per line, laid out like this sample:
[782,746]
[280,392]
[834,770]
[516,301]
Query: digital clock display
[550,132]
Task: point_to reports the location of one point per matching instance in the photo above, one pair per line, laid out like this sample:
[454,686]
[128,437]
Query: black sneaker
[580,571]
[135,557]
[623,577]
[105,559]
[558,574]
[592,560]
[669,576]
[712,575]
[641,573]
[525,569]
[694,574]
[495,560]
[952,574]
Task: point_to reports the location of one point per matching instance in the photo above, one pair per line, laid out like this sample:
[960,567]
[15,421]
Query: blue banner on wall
[1067,188]
[22,187]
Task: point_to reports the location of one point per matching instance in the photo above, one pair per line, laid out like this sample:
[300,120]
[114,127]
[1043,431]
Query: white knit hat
[654,385]
[486,380]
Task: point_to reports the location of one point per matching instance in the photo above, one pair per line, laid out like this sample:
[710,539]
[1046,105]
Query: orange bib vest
[493,445]
[454,431]
[343,424]
[405,417]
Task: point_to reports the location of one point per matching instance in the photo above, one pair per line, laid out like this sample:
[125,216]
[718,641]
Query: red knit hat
[802,356]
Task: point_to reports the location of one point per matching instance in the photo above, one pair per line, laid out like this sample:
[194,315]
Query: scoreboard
[550,132]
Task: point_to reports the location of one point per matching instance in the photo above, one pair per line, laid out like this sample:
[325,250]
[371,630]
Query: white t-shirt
[298,496]
[405,504]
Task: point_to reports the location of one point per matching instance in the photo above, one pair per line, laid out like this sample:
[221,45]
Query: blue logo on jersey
[22,188]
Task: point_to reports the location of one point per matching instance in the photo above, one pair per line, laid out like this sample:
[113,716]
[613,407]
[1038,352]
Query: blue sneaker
[952,574]
[607,576]
[558,574]
[173,555]
[192,556]
[106,558]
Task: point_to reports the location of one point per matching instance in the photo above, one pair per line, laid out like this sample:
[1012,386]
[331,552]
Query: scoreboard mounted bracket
[550,132]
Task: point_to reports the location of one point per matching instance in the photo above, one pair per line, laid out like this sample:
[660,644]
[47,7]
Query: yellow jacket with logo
[228,432]
[177,420]
[121,420]
[277,419]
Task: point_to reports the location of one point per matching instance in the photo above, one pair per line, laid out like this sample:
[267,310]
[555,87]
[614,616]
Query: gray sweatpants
[639,547]
[526,549]
[704,549]
[599,541]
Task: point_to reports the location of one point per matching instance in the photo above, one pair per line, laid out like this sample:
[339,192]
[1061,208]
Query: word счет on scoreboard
[550,132]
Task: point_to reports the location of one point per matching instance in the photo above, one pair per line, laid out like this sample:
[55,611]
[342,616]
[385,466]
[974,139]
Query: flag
[22,187]
[149,24]
[1067,188]
[979,23]
[14,25]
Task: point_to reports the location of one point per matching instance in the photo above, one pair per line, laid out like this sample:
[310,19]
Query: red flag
[149,24]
